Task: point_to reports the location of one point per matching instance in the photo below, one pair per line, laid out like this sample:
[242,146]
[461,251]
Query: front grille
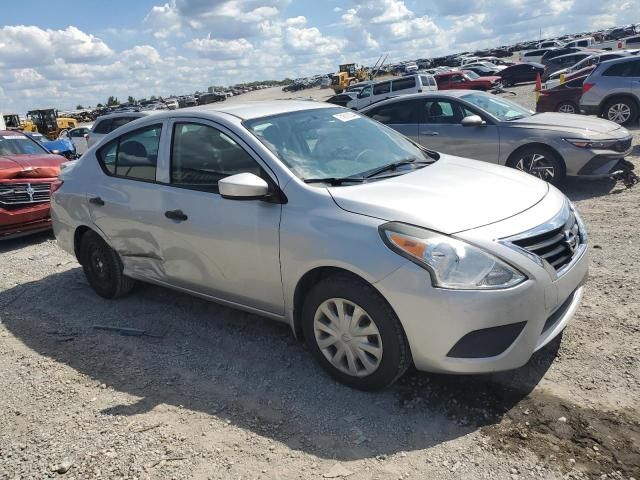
[557,246]
[622,145]
[24,193]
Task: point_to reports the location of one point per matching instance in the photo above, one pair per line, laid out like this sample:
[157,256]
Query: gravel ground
[214,393]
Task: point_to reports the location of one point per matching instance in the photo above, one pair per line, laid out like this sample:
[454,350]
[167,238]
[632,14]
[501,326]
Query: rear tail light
[586,87]
[619,44]
[57,183]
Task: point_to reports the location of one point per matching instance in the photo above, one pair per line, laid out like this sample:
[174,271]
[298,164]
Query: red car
[465,80]
[563,98]
[28,173]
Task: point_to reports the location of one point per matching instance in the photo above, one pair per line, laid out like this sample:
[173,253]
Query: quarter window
[203,155]
[103,126]
[133,155]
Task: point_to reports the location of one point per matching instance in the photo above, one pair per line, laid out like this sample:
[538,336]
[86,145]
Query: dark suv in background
[613,91]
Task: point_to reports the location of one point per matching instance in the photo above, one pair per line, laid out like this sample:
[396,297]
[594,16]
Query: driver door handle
[430,134]
[96,201]
[178,215]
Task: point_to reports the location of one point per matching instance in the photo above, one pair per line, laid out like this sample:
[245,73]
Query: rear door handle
[96,201]
[430,134]
[178,215]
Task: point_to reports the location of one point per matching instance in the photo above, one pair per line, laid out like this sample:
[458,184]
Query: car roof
[250,110]
[126,114]
[435,94]
[11,132]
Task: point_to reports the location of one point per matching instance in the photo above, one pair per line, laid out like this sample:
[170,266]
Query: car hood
[30,166]
[452,195]
[580,124]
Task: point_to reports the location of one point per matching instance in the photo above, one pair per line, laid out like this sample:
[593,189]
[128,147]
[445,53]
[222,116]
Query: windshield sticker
[346,116]
[13,137]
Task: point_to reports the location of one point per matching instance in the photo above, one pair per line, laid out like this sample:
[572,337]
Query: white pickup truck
[590,42]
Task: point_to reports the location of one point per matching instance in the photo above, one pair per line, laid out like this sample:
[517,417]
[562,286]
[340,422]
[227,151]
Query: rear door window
[619,70]
[103,126]
[382,88]
[398,113]
[118,122]
[403,83]
[134,155]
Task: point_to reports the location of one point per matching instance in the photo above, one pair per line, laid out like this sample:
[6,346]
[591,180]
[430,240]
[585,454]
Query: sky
[64,53]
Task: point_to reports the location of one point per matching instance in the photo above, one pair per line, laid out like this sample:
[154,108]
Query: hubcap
[347,337]
[537,164]
[97,263]
[619,113]
[567,108]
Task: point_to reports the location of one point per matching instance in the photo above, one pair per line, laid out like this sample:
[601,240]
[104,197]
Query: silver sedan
[377,252]
[485,127]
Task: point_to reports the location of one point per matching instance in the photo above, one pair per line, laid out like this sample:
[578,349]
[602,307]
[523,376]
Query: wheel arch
[612,96]
[535,144]
[306,283]
[80,232]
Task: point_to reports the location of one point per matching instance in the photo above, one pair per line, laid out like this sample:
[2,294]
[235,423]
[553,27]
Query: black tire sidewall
[107,287]
[394,345]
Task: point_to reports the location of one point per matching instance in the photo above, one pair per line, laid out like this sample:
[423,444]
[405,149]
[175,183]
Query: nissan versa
[377,251]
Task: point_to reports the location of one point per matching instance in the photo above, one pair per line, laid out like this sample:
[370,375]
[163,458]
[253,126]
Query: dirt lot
[213,393]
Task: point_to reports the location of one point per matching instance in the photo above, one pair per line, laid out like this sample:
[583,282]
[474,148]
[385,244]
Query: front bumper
[592,162]
[437,320]
[23,221]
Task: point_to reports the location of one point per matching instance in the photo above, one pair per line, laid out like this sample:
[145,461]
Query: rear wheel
[102,267]
[539,162]
[620,110]
[567,107]
[354,334]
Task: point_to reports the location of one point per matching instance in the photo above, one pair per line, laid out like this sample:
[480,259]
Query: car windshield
[19,145]
[500,108]
[471,75]
[333,143]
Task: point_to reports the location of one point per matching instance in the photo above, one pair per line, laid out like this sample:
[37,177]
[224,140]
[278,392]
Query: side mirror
[473,121]
[243,186]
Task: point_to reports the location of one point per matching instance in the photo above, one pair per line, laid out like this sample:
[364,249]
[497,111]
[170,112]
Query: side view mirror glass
[243,186]
[473,121]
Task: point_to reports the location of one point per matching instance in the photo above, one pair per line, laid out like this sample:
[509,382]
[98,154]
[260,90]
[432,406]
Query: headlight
[452,263]
[597,144]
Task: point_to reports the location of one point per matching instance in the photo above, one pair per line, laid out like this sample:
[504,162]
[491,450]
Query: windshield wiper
[393,166]
[335,180]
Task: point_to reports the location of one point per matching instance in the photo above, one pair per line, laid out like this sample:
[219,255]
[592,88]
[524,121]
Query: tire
[103,268]
[385,356]
[542,159]
[567,107]
[621,110]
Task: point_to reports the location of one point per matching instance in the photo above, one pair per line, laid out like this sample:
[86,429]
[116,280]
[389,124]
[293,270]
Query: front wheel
[623,111]
[354,334]
[539,162]
[102,267]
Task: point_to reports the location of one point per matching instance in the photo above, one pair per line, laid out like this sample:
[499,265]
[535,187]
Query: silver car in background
[612,90]
[485,127]
[379,253]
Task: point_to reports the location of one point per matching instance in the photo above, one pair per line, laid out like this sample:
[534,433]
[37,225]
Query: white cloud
[186,45]
[27,46]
